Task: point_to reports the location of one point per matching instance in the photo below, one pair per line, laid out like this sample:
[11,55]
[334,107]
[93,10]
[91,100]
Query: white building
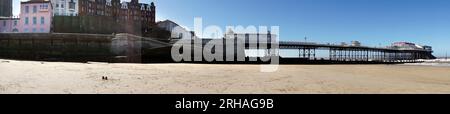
[177,31]
[65,7]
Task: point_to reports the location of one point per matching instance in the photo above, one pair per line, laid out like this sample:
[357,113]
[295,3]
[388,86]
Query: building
[176,31]
[132,11]
[6,8]
[9,24]
[356,43]
[65,7]
[35,16]
[409,45]
[127,17]
[403,44]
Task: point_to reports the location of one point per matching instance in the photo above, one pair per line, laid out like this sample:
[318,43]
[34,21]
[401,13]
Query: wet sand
[69,78]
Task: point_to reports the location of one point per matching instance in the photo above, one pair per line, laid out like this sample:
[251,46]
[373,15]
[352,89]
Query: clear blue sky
[372,22]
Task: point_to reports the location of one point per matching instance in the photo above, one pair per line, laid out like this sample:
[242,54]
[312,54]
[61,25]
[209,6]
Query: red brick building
[131,12]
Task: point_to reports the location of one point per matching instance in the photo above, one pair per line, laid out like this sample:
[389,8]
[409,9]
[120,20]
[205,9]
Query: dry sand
[59,77]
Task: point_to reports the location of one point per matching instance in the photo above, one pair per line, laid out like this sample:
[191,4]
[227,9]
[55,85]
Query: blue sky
[373,22]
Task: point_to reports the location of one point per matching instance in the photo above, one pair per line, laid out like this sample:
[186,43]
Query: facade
[65,7]
[108,16]
[35,16]
[6,8]
[125,12]
[9,24]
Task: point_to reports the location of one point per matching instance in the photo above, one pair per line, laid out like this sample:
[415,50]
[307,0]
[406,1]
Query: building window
[34,20]
[62,5]
[42,20]
[34,30]
[42,30]
[45,6]
[15,23]
[34,9]
[25,30]
[72,5]
[27,9]
[26,20]
[57,5]
[4,23]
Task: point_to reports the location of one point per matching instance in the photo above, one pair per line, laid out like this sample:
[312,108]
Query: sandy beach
[71,78]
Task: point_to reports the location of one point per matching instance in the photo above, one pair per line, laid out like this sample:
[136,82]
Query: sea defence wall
[71,47]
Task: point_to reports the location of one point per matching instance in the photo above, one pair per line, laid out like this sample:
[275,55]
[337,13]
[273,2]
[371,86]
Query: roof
[35,1]
[167,21]
[9,18]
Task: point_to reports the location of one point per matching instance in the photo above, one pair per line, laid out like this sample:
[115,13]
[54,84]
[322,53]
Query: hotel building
[124,12]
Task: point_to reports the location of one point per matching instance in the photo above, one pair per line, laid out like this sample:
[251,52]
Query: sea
[434,62]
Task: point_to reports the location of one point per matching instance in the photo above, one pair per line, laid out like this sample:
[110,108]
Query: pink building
[35,16]
[9,24]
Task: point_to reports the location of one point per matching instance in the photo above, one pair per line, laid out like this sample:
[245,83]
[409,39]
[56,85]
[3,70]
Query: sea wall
[70,47]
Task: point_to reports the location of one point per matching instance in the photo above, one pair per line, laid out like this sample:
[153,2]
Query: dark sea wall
[69,47]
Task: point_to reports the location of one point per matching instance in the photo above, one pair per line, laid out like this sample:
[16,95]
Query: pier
[356,54]
[339,54]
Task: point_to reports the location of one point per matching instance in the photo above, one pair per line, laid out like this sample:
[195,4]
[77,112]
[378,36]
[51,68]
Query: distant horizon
[373,23]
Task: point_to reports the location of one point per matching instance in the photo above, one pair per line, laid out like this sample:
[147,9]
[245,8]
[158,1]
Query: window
[27,9]
[34,30]
[34,20]
[4,23]
[72,5]
[25,30]
[26,20]
[34,9]
[57,5]
[15,23]
[45,6]
[62,5]
[42,30]
[42,20]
